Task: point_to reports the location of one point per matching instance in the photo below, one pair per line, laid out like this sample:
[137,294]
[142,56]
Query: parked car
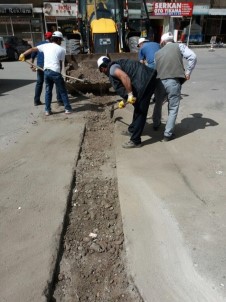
[2,52]
[15,46]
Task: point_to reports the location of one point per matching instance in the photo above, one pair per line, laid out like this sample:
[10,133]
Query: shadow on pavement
[193,123]
[186,126]
[7,85]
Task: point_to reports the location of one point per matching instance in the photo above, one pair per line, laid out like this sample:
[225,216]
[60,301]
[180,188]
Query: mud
[93,266]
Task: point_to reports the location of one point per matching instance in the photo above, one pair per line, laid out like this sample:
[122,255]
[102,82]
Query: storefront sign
[60,9]
[172,9]
[201,10]
[16,9]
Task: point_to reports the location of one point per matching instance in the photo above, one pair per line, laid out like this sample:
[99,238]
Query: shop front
[60,16]
[22,20]
[63,17]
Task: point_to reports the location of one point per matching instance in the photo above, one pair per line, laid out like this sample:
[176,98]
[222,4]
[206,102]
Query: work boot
[126,132]
[156,128]
[38,103]
[169,138]
[68,111]
[47,113]
[130,144]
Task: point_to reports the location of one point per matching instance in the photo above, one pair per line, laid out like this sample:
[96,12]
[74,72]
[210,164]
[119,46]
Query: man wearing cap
[40,72]
[54,56]
[135,83]
[147,52]
[171,74]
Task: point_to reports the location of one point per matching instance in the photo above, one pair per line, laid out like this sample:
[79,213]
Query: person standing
[54,56]
[40,72]
[135,83]
[171,74]
[147,52]
[146,55]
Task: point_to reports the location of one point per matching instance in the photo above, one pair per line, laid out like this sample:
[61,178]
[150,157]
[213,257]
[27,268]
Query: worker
[54,56]
[40,72]
[146,55]
[135,83]
[171,74]
[147,50]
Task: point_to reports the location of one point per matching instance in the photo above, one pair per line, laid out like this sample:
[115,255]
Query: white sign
[60,9]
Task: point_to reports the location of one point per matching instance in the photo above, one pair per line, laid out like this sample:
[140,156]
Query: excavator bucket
[84,67]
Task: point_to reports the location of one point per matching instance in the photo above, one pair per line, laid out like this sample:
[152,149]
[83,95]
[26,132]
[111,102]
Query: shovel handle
[64,75]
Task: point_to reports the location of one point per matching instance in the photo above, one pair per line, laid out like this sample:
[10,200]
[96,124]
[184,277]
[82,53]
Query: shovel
[64,75]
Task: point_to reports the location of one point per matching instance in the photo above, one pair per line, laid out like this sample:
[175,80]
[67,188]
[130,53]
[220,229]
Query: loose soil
[94,81]
[93,266]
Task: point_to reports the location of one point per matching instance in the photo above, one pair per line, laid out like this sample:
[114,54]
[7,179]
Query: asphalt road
[172,194]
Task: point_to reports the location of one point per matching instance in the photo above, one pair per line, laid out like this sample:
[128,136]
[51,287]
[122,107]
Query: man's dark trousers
[140,113]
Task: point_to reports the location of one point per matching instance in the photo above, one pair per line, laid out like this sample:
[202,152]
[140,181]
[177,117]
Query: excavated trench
[93,264]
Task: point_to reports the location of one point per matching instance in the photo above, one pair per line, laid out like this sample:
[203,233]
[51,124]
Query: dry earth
[93,266]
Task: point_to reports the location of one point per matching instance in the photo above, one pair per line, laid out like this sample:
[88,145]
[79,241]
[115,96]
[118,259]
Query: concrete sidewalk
[172,195]
[32,211]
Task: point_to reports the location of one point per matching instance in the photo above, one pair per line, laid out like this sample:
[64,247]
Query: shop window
[213,26]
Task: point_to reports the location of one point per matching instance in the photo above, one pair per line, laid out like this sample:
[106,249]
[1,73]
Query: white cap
[167,37]
[58,34]
[102,60]
[141,40]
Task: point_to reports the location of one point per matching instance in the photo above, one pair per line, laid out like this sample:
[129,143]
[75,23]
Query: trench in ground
[93,266]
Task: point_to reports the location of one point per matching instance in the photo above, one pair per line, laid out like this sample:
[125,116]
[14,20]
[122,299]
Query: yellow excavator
[105,31]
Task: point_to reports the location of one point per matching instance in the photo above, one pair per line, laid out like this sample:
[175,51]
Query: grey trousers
[170,88]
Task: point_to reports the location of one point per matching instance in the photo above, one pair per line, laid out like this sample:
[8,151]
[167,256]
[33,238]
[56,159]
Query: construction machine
[106,29]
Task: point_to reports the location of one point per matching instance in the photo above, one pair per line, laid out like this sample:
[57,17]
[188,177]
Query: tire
[16,56]
[12,55]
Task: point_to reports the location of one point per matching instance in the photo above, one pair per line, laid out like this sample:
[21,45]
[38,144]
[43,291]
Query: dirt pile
[94,81]
[93,264]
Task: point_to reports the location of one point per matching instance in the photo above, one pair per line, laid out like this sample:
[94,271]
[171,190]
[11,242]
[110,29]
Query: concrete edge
[50,286]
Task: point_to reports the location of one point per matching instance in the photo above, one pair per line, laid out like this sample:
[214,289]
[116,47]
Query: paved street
[37,160]
[172,194]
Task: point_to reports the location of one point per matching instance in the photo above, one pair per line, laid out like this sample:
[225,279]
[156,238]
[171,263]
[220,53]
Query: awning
[217,11]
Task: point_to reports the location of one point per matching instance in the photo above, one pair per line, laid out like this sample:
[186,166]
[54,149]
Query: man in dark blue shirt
[40,72]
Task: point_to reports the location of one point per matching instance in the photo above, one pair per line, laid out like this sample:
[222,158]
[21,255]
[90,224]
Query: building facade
[31,20]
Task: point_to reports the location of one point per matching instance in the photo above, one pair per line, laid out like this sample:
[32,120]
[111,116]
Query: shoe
[156,128]
[68,111]
[169,138]
[47,113]
[130,144]
[126,132]
[38,103]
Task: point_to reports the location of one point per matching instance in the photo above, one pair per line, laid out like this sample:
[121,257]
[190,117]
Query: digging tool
[37,67]
[122,104]
[64,75]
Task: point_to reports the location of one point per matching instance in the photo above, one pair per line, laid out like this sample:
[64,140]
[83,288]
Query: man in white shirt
[54,56]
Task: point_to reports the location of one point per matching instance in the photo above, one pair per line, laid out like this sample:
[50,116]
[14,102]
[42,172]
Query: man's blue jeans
[39,87]
[52,77]
[170,88]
